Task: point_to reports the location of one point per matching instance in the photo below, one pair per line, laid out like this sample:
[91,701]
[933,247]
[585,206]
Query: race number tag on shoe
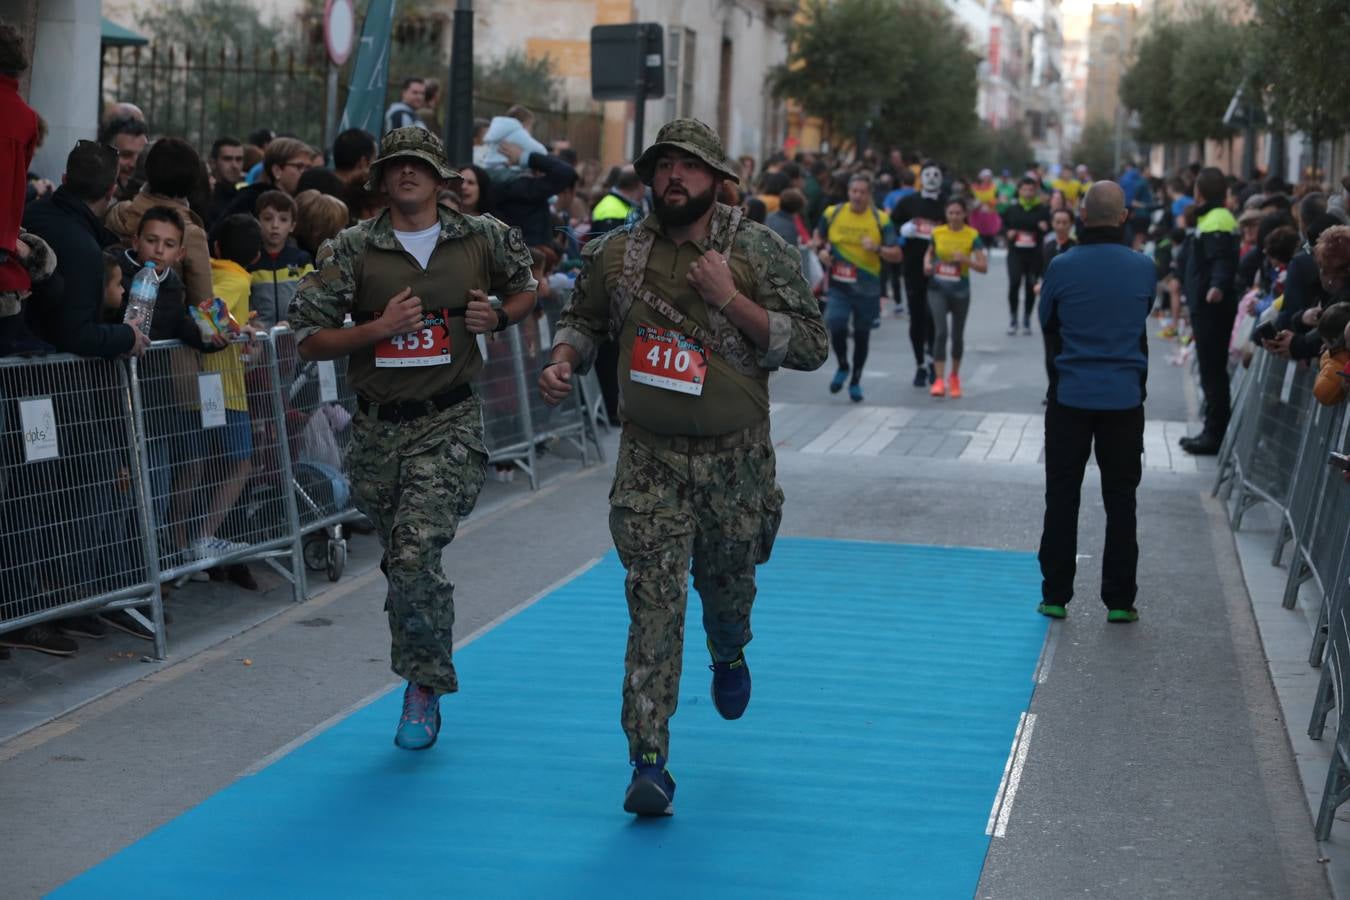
[844,273]
[1025,240]
[947,271]
[428,346]
[666,359]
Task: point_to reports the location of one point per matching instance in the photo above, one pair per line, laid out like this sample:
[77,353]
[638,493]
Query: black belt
[408,410]
[734,440]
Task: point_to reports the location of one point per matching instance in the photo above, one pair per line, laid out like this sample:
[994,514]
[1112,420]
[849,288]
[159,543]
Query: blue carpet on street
[888,683]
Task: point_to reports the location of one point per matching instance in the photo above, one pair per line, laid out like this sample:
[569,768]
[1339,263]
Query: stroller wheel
[316,553]
[337,558]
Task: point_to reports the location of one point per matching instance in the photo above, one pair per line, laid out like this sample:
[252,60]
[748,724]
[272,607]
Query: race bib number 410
[665,358]
[428,346]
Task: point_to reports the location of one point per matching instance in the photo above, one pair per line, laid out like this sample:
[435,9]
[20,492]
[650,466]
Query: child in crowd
[1329,389]
[159,239]
[167,377]
[512,128]
[236,243]
[276,274]
[114,293]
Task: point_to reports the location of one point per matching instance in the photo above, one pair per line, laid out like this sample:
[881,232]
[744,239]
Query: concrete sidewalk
[1158,764]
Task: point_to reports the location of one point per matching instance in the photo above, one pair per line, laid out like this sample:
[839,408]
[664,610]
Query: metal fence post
[136,433]
[523,391]
[287,473]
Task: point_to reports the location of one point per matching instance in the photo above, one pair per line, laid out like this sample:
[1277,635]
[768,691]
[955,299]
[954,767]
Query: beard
[686,213]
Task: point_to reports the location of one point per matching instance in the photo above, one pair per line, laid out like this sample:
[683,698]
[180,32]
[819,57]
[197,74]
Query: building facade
[716,55]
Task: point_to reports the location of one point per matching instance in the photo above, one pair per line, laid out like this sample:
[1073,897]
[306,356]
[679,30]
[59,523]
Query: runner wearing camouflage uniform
[415,280]
[704,305]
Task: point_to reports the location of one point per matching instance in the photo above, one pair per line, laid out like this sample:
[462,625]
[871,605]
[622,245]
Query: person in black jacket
[1304,292]
[523,201]
[1209,282]
[67,311]
[1025,224]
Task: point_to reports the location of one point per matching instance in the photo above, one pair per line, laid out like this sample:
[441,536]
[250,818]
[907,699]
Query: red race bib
[664,358]
[428,346]
[1025,240]
[844,273]
[947,271]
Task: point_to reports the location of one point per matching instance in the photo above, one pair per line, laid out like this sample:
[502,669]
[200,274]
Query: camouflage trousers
[415,480]
[671,507]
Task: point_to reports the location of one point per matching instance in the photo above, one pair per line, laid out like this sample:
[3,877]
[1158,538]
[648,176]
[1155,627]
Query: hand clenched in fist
[710,275]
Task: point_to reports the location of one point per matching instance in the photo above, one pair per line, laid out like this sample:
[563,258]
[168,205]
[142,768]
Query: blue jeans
[845,304]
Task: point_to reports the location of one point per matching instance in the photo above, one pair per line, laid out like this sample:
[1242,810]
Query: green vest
[456,267]
[611,206]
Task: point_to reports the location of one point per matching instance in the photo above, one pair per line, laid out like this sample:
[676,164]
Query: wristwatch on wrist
[503,320]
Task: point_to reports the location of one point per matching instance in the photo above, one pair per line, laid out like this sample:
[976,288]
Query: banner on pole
[365,98]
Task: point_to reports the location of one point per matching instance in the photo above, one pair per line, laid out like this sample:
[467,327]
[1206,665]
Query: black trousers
[920,319]
[1212,327]
[1071,435]
[1024,266]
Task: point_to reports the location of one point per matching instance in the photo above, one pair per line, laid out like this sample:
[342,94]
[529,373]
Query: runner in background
[1025,225]
[894,273]
[956,249]
[1066,183]
[1061,240]
[856,238]
[985,216]
[916,216]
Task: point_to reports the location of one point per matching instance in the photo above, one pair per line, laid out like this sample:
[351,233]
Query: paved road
[1154,762]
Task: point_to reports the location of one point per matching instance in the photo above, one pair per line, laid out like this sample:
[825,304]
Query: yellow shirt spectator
[230,282]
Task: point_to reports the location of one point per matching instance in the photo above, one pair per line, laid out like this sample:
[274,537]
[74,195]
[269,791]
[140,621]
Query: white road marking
[1012,777]
[1042,673]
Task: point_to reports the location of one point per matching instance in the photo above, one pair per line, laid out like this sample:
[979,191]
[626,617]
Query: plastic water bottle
[144,292]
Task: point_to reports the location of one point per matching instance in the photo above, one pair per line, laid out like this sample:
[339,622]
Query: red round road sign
[339,29]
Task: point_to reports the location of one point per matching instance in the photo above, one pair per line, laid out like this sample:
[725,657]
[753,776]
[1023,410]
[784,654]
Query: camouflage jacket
[797,336]
[326,295]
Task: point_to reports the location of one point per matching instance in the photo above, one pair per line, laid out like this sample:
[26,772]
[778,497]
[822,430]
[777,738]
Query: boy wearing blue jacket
[277,273]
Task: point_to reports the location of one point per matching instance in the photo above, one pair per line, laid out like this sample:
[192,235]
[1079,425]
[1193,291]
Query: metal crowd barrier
[216,456]
[1276,450]
[75,537]
[1266,449]
[118,478]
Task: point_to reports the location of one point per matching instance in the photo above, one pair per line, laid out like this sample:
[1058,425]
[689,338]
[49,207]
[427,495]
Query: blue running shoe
[731,686]
[652,790]
[855,393]
[421,720]
[837,382]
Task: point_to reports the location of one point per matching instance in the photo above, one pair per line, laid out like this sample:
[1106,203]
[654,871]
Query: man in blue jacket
[1095,302]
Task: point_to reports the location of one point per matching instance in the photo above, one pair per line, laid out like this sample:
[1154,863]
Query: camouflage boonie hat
[694,138]
[418,143]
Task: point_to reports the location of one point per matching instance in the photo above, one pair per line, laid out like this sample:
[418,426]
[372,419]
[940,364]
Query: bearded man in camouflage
[704,304]
[415,280]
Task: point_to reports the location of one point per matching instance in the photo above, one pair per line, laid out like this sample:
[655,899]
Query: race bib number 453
[428,346]
[665,358]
